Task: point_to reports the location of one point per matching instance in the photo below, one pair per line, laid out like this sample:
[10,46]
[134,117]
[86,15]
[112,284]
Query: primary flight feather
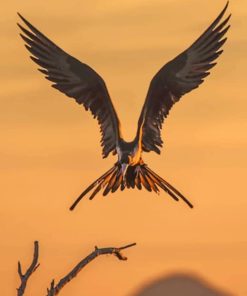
[178,77]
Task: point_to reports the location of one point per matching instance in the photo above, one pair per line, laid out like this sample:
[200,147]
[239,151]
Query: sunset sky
[50,150]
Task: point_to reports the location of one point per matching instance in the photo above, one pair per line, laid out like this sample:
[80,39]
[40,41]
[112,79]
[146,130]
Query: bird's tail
[152,182]
[136,176]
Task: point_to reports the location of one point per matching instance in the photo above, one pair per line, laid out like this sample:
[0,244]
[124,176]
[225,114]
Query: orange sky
[45,163]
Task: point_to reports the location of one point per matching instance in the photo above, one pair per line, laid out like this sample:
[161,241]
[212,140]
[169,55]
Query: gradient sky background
[50,150]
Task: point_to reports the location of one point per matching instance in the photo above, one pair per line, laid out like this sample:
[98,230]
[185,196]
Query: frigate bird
[80,82]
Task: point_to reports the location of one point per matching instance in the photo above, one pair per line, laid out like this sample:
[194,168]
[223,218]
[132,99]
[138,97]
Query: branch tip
[31,269]
[127,246]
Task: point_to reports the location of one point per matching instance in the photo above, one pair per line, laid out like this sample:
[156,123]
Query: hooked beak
[124,167]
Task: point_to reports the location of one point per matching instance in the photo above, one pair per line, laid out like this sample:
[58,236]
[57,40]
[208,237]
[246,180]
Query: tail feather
[118,182]
[152,183]
[111,181]
[138,182]
[105,181]
[130,178]
[171,188]
[158,181]
[97,190]
[173,192]
[144,181]
[136,176]
[98,182]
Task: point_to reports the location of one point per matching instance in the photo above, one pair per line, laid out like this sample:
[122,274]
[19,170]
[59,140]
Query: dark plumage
[178,77]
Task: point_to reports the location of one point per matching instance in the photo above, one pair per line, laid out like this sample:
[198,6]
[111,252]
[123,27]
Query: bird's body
[178,77]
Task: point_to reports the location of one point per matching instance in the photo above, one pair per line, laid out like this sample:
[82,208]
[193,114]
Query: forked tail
[136,176]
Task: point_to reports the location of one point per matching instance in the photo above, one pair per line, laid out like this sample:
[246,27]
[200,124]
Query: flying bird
[80,82]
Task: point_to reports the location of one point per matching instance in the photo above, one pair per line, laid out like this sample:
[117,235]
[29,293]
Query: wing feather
[76,80]
[178,77]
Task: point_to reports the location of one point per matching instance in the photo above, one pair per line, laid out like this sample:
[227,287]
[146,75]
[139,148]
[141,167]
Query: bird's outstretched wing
[76,80]
[178,77]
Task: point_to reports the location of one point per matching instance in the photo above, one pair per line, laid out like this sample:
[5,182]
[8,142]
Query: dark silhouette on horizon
[176,78]
[180,285]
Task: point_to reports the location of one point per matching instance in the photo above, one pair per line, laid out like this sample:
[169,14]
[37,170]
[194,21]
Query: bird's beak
[124,167]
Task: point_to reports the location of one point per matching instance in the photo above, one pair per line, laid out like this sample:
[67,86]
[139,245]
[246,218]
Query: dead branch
[25,277]
[55,289]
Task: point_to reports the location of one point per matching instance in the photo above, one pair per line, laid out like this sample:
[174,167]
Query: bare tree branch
[55,289]
[25,277]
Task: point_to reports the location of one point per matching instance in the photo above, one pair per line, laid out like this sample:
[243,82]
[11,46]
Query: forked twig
[25,277]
